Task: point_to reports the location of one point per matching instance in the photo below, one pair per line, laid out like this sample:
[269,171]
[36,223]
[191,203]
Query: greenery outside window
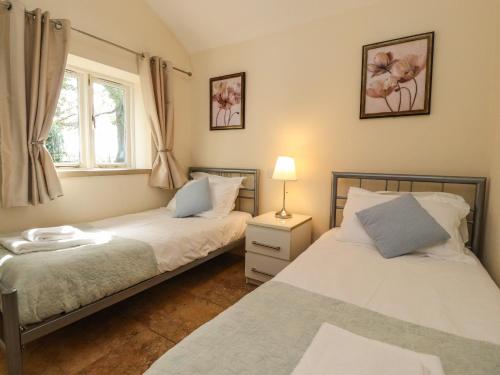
[64,141]
[92,124]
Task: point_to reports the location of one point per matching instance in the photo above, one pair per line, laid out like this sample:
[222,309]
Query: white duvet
[455,297]
[177,241]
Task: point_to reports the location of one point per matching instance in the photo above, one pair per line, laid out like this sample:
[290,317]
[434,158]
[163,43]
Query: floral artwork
[397,77]
[227,102]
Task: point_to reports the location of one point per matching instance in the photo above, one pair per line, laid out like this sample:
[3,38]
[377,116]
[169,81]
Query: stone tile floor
[128,337]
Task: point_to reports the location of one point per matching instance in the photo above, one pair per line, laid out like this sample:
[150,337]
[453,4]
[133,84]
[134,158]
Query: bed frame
[13,336]
[472,189]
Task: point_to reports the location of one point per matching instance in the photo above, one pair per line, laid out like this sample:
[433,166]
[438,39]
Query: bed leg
[11,332]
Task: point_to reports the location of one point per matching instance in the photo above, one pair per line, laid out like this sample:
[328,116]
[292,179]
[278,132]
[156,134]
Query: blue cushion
[193,198]
[401,226]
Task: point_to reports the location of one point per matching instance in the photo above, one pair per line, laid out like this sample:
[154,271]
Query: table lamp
[284,170]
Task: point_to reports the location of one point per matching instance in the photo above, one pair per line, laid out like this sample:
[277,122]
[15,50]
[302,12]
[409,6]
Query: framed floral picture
[227,102]
[397,77]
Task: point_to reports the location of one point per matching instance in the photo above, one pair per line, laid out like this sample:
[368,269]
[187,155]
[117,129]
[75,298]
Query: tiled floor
[128,337]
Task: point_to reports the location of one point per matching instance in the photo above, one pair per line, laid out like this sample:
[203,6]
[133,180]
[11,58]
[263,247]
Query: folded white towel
[19,245]
[65,232]
[337,351]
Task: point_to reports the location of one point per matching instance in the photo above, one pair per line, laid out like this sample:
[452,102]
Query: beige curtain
[14,156]
[157,90]
[46,50]
[28,173]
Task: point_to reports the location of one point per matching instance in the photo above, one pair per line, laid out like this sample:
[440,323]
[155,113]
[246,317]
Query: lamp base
[283,214]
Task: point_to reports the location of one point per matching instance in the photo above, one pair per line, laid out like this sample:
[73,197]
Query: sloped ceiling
[205,24]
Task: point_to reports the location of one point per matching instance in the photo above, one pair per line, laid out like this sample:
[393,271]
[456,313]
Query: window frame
[86,108]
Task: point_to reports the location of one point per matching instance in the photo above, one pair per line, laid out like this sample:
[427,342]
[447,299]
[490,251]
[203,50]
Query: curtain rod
[8,5]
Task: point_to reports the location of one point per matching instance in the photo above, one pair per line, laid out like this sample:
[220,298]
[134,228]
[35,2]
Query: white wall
[133,24]
[87,199]
[303,90]
[492,253]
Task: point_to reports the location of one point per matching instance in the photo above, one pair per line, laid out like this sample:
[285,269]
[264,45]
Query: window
[91,127]
[64,137]
[109,122]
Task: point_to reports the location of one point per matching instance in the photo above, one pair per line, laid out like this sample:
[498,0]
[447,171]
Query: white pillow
[448,210]
[171,204]
[223,191]
[464,230]
[223,198]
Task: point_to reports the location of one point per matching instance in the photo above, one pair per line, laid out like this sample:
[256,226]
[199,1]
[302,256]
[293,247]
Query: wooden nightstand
[271,244]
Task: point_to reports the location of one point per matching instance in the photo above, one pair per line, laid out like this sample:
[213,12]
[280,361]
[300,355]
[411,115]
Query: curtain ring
[9,6]
[58,25]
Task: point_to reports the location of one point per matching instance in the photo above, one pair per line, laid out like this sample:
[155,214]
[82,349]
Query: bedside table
[271,244]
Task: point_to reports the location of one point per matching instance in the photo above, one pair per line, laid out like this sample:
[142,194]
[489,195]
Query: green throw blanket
[53,282]
[269,330]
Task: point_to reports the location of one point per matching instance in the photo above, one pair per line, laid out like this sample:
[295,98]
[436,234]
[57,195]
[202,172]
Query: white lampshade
[284,169]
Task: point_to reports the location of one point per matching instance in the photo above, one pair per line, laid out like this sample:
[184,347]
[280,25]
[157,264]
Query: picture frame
[396,77]
[227,102]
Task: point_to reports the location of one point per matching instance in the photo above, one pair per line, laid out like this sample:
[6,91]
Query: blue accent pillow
[401,226]
[193,198]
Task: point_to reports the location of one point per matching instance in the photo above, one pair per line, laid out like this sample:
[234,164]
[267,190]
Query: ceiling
[205,24]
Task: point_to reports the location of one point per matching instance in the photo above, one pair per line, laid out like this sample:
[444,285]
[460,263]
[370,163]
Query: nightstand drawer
[268,241]
[262,268]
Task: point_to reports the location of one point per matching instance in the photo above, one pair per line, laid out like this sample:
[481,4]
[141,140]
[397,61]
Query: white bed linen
[336,351]
[177,241]
[455,297]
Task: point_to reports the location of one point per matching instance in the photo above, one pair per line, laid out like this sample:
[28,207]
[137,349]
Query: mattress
[142,246]
[175,241]
[451,296]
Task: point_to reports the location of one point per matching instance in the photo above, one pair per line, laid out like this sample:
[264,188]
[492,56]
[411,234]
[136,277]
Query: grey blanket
[269,330]
[54,282]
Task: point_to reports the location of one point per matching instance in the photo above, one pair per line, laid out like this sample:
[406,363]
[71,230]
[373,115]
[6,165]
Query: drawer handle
[275,248]
[261,272]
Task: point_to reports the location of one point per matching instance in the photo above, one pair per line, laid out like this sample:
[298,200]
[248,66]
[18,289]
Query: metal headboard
[248,197]
[402,182]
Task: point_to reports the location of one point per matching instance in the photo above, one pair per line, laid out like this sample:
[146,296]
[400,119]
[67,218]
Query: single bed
[44,291]
[446,308]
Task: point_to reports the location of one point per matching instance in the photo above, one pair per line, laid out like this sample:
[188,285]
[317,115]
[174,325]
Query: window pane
[63,142]
[109,123]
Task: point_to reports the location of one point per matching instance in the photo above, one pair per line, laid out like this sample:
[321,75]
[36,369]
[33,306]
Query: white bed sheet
[177,241]
[455,297]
